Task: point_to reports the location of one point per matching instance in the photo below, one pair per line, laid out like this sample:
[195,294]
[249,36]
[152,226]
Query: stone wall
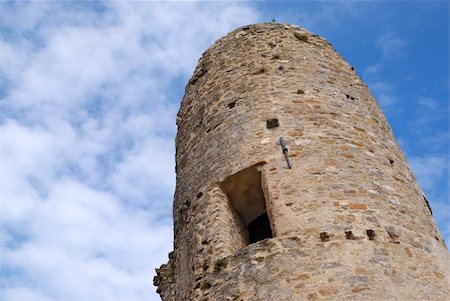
[349,220]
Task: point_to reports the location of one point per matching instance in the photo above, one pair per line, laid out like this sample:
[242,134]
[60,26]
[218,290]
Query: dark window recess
[272,123]
[259,229]
[243,190]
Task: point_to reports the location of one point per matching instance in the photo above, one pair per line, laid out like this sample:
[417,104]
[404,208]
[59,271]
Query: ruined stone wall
[349,220]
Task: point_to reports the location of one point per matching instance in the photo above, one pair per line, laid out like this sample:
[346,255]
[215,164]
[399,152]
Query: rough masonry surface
[348,221]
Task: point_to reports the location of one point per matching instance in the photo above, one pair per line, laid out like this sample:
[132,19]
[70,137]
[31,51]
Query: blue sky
[89,92]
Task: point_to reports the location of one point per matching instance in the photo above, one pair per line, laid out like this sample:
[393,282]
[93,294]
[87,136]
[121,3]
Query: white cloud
[386,99]
[391,46]
[429,169]
[383,93]
[430,111]
[87,121]
[372,70]
[431,124]
[428,103]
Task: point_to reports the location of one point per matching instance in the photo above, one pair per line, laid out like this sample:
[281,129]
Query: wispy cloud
[390,45]
[87,121]
[371,70]
[430,124]
[383,92]
[430,111]
[429,169]
[428,103]
[391,48]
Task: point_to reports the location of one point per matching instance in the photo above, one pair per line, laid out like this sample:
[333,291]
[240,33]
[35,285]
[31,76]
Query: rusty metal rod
[285,152]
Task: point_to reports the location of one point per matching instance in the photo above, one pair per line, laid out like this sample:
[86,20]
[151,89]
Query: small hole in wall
[371,234]
[280,68]
[349,97]
[272,123]
[437,238]
[324,236]
[391,161]
[300,91]
[232,104]
[349,235]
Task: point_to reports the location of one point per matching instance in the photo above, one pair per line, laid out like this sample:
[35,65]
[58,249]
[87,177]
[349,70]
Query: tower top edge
[268,26]
[259,28]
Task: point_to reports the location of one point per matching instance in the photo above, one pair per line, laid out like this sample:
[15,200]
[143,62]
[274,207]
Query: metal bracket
[285,152]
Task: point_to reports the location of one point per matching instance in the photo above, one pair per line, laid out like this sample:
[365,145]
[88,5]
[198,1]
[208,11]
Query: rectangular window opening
[245,194]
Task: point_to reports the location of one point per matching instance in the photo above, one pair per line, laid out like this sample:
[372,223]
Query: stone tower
[347,221]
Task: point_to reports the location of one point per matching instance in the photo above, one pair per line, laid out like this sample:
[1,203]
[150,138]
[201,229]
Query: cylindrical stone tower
[347,221]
